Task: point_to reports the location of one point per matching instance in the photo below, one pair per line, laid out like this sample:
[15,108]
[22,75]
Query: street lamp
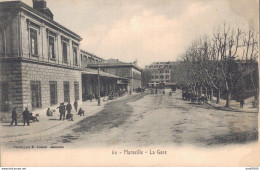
[99,87]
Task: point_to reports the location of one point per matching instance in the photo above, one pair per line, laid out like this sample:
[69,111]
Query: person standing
[69,108]
[62,111]
[26,116]
[76,105]
[14,117]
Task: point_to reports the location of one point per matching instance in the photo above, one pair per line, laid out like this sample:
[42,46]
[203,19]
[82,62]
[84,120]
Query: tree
[221,62]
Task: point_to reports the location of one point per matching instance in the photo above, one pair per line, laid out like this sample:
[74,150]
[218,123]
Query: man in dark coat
[69,108]
[14,117]
[62,111]
[76,105]
[26,116]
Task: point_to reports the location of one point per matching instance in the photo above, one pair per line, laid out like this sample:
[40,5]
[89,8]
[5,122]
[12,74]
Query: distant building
[129,71]
[40,61]
[90,84]
[162,74]
[89,58]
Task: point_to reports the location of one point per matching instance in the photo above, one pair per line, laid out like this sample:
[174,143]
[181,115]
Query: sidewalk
[47,124]
[234,105]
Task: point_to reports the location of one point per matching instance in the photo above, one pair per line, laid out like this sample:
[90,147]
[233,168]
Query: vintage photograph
[164,82]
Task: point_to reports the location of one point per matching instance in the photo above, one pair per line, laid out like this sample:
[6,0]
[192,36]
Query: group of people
[27,116]
[163,92]
[69,116]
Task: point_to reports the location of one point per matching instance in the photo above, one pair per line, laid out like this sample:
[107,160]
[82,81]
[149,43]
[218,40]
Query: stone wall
[10,73]
[46,73]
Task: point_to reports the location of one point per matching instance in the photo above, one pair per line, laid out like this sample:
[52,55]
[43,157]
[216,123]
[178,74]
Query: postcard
[129,83]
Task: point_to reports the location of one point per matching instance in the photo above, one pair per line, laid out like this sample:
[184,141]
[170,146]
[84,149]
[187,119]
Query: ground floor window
[36,94]
[53,93]
[66,86]
[76,90]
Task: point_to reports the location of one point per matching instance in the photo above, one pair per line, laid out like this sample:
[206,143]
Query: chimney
[41,6]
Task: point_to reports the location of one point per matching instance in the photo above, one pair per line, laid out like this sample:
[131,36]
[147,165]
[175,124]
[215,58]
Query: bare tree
[221,62]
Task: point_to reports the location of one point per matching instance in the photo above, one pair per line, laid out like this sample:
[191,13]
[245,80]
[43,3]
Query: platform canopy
[89,71]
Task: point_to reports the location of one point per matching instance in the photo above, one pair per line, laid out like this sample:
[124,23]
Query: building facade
[40,59]
[91,88]
[89,58]
[161,74]
[129,73]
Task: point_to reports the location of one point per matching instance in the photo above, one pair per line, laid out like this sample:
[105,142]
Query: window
[33,41]
[156,77]
[66,86]
[36,94]
[53,93]
[152,77]
[161,71]
[51,47]
[5,98]
[161,77]
[75,56]
[166,71]
[76,90]
[167,77]
[65,52]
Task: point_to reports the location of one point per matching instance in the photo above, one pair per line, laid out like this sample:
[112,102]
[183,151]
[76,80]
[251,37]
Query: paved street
[147,120]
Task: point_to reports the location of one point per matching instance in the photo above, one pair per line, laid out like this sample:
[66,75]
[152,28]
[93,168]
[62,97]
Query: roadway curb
[47,131]
[59,126]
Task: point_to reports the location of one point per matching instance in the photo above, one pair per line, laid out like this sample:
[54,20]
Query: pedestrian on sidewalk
[69,117]
[69,107]
[76,105]
[26,116]
[81,112]
[49,112]
[62,111]
[14,117]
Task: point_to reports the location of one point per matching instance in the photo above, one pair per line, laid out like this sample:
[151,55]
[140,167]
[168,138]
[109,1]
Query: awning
[101,73]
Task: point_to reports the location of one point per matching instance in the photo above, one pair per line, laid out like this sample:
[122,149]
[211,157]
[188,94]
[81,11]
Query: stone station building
[40,61]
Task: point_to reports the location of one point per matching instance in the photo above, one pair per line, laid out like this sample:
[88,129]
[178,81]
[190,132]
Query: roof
[22,5]
[101,73]
[103,64]
[113,61]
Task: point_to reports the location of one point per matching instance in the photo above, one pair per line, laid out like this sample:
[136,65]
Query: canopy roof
[101,73]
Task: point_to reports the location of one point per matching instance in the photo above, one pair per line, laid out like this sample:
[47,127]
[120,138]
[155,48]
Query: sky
[148,30]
